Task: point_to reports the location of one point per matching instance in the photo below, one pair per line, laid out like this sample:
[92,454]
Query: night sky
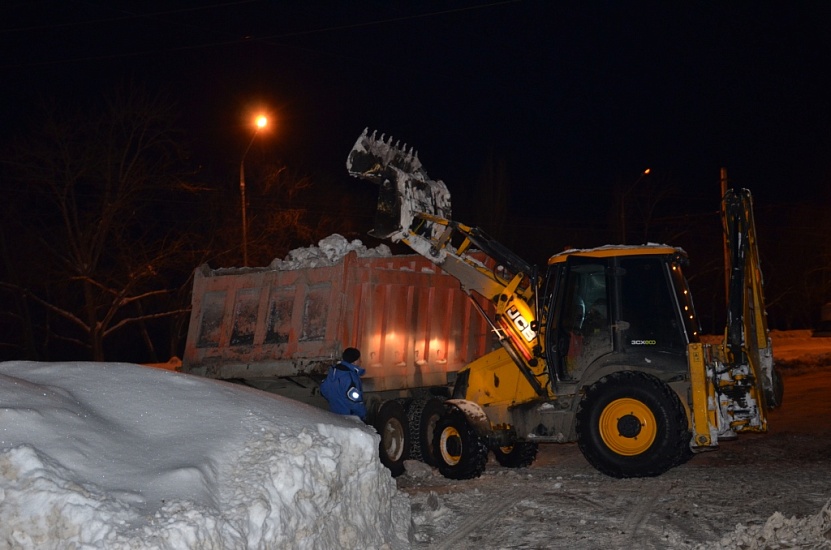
[578,98]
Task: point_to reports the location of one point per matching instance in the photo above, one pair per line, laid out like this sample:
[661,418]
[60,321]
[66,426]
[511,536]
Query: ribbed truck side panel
[413,324]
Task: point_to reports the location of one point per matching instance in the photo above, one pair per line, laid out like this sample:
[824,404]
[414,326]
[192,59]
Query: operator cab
[618,304]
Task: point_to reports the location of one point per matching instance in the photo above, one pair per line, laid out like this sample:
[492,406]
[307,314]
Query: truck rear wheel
[423,414]
[518,455]
[393,427]
[630,424]
[460,453]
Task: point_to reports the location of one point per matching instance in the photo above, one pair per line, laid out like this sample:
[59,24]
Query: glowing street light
[260,123]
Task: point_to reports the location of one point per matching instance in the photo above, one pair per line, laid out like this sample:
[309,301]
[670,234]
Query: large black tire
[460,453]
[423,414]
[393,427]
[518,455]
[630,424]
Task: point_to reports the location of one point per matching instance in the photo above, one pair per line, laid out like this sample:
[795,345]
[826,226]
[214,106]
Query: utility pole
[260,124]
[623,204]
[724,238]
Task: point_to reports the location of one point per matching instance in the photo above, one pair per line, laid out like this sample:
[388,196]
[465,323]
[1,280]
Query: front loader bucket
[405,189]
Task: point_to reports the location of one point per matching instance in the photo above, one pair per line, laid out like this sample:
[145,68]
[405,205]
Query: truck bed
[413,324]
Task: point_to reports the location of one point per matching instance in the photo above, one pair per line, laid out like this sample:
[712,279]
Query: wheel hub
[393,439]
[454,446]
[628,426]
[450,446]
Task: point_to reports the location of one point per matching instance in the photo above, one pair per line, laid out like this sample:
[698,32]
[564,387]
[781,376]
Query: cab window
[582,322]
[649,315]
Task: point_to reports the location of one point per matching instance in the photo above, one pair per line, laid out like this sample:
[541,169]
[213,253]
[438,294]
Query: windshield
[685,302]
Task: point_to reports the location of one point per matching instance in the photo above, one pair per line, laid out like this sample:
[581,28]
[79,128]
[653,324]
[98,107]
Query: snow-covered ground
[122,456]
[760,492]
[98,455]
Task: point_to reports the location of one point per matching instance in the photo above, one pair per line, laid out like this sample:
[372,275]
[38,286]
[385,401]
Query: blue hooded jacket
[343,390]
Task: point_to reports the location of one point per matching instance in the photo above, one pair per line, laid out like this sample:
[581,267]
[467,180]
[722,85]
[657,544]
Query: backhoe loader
[601,346]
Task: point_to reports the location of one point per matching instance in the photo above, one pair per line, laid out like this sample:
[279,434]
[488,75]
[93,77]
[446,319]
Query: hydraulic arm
[735,383]
[415,210]
[747,340]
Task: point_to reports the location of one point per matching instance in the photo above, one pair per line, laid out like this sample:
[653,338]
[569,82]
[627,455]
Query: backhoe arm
[747,340]
[735,383]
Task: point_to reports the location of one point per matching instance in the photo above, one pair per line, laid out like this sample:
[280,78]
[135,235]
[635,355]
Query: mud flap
[475,415]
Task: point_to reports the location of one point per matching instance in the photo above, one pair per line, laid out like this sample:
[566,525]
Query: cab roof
[610,250]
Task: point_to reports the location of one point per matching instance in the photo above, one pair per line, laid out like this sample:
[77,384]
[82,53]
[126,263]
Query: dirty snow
[109,455]
[781,532]
[122,456]
[328,251]
[762,491]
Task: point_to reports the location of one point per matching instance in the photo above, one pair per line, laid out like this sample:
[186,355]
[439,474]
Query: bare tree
[93,183]
[289,208]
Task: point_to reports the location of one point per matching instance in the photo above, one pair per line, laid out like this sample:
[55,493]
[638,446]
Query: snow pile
[780,532]
[329,251]
[795,349]
[98,455]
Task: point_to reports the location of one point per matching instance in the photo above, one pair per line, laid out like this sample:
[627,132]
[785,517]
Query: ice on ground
[110,455]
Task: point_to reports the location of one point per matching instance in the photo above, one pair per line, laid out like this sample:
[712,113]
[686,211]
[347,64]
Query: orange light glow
[261,121]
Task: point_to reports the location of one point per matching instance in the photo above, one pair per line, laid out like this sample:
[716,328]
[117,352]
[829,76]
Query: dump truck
[278,328]
[600,346]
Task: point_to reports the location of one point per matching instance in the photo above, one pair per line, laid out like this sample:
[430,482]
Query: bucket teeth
[370,151]
[406,189]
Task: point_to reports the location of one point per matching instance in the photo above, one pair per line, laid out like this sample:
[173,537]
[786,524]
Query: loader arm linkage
[415,210]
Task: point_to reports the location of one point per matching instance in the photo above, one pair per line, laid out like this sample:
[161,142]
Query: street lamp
[623,204]
[260,124]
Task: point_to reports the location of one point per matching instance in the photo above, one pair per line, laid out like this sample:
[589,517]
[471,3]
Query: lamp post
[623,205]
[260,124]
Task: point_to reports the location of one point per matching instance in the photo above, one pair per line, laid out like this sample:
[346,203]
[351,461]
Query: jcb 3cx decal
[522,326]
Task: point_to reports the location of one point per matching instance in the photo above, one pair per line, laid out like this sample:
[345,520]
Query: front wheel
[459,452]
[518,455]
[630,424]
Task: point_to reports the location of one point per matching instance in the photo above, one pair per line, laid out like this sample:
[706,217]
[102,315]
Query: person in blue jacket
[342,387]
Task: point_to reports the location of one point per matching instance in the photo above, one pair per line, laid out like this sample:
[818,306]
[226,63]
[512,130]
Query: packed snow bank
[328,251]
[100,455]
[780,532]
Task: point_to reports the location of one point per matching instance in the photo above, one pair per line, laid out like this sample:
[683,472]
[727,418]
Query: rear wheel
[393,427]
[630,424]
[423,414]
[460,453]
[518,455]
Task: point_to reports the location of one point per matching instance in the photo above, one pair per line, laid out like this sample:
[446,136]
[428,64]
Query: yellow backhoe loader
[601,347]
